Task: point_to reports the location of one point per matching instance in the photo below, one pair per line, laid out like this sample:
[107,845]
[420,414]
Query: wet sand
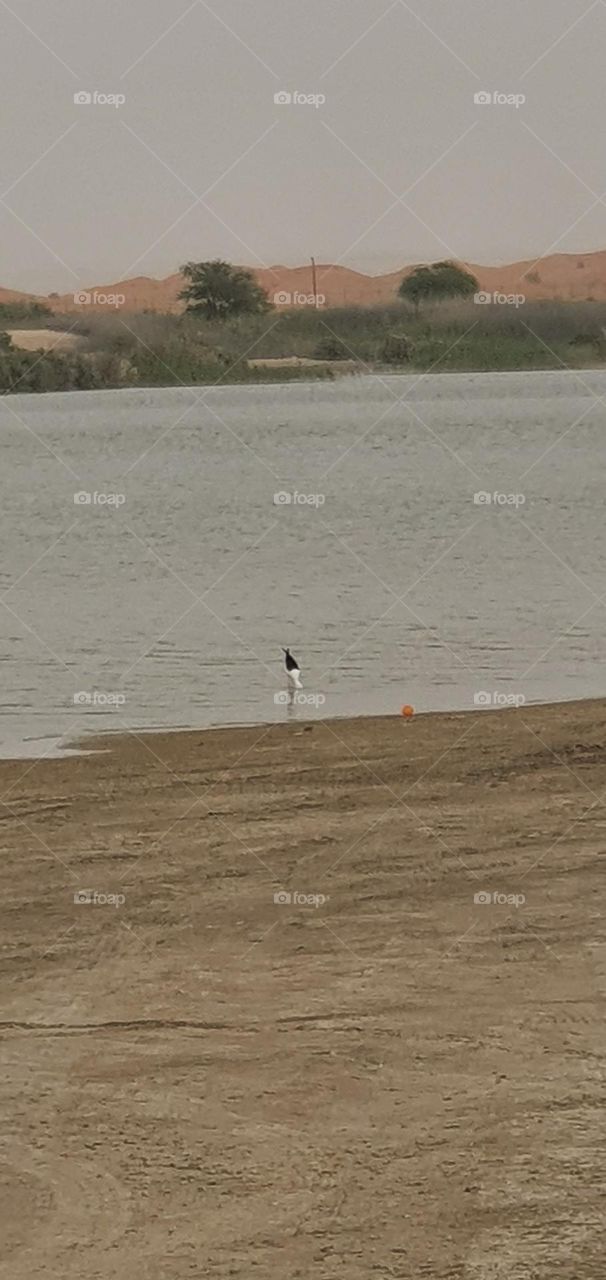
[375,1075]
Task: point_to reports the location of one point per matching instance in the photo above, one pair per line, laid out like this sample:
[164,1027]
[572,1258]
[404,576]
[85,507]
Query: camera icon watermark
[90,898]
[297,99]
[96,99]
[285,299]
[84,499]
[483,299]
[494,98]
[482,698]
[486,899]
[299,698]
[284,899]
[296,499]
[97,698]
[485,499]
[97,299]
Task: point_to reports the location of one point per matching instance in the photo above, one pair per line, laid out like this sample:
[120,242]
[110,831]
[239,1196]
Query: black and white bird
[293,670]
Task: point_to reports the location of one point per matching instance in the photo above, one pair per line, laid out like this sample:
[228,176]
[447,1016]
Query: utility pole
[314,282]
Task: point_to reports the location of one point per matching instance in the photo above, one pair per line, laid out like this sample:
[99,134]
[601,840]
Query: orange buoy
[407,711]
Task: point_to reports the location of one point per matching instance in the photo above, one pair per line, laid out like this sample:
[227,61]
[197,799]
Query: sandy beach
[374,1075]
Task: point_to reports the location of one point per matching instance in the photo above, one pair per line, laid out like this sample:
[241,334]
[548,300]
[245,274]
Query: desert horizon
[557,277]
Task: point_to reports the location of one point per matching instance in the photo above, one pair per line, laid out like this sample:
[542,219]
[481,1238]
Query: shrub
[397,349]
[331,348]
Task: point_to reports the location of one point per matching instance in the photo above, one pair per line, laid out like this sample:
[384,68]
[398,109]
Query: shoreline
[104,741]
[94,742]
[371,1064]
[258,383]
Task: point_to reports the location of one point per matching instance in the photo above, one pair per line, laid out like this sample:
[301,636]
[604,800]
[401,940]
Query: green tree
[218,291]
[437,281]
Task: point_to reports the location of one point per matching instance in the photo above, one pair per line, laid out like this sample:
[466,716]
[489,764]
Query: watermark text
[297,99]
[95,499]
[485,899]
[285,899]
[90,898]
[85,98]
[494,98]
[498,699]
[97,698]
[295,499]
[484,499]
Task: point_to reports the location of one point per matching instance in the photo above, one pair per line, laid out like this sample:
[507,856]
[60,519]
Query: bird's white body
[293,672]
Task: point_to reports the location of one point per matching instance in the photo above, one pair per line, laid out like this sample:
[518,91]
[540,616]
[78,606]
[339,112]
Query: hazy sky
[398,165]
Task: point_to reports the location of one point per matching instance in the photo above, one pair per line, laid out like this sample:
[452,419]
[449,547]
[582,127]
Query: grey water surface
[166,598]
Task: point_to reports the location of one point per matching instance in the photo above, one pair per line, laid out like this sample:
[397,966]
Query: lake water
[167,604]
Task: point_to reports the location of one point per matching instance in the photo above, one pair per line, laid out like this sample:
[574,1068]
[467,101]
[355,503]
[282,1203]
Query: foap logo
[296,499]
[484,499]
[285,899]
[96,99]
[296,299]
[84,499]
[298,698]
[97,299]
[499,699]
[296,99]
[484,299]
[495,98]
[486,899]
[97,698]
[90,898]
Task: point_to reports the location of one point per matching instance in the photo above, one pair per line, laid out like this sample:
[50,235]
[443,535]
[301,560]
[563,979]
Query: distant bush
[436,282]
[218,290]
[25,371]
[125,349]
[331,348]
[23,312]
[397,349]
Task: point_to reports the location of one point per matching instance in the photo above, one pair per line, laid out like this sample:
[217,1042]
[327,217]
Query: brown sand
[567,276]
[397,1082]
[305,362]
[44,340]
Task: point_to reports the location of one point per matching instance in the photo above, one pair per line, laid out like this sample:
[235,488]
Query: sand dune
[562,276]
